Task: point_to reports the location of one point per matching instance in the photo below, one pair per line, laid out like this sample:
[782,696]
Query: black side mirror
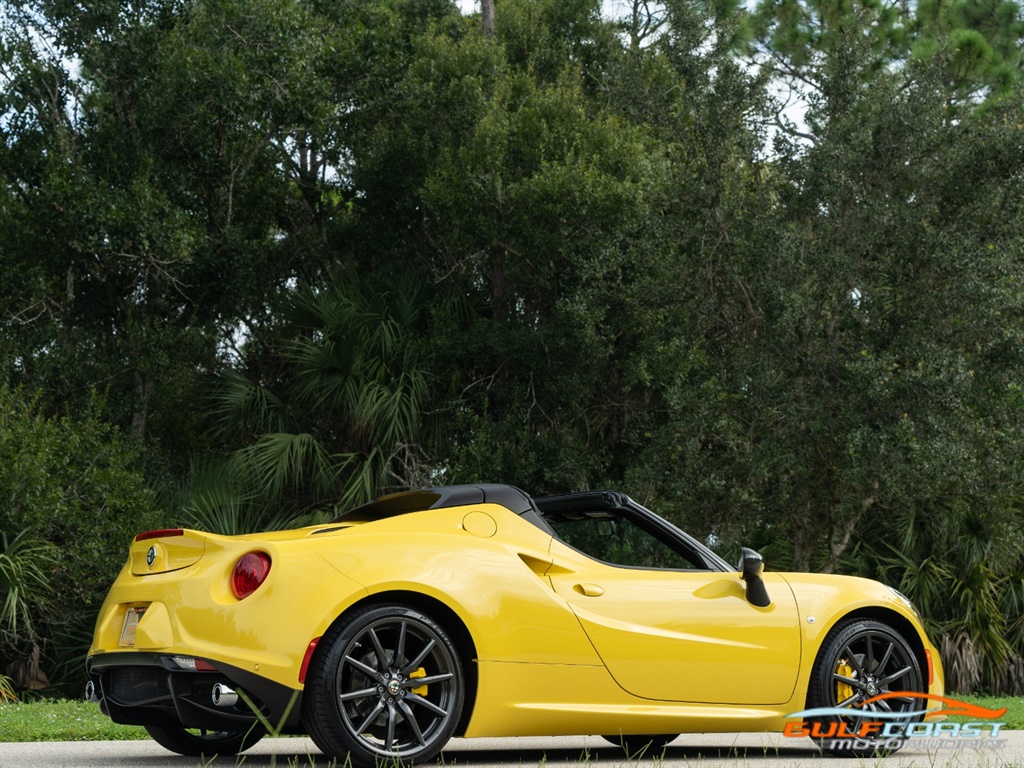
[751,567]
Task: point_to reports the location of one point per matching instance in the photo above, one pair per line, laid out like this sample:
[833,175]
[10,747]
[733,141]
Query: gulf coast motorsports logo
[874,726]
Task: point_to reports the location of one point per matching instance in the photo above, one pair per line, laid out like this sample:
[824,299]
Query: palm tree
[24,596]
[965,577]
[339,420]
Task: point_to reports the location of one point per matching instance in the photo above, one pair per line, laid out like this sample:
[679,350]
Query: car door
[667,628]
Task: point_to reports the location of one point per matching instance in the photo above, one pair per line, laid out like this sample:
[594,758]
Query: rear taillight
[162,533]
[250,572]
[190,663]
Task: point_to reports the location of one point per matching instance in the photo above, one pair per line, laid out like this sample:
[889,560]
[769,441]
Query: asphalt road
[730,749]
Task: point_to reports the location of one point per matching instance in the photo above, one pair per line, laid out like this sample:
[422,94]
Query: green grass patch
[50,720]
[1014,717]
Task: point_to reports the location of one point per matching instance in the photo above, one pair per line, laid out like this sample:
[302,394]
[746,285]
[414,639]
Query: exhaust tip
[90,692]
[223,696]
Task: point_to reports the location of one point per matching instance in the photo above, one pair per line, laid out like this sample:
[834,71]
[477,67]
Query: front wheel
[388,686]
[865,667]
[196,742]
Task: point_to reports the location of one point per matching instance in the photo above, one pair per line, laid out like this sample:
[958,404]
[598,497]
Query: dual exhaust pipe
[221,696]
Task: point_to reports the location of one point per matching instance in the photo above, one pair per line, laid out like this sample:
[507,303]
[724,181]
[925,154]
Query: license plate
[131,622]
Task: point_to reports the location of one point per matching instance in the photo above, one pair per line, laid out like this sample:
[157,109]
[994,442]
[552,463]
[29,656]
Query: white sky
[611,7]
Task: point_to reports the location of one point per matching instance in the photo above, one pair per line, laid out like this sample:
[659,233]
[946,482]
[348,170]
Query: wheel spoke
[400,650]
[417,699]
[853,682]
[893,677]
[389,740]
[885,659]
[415,663]
[382,657]
[883,705]
[848,702]
[370,718]
[908,701]
[366,693]
[410,718]
[417,682]
[869,656]
[366,669]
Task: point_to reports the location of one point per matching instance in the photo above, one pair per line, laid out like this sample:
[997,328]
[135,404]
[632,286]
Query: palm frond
[24,583]
[242,406]
[961,662]
[283,460]
[347,422]
[7,689]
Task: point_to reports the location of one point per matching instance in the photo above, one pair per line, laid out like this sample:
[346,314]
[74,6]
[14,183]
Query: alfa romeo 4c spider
[481,611]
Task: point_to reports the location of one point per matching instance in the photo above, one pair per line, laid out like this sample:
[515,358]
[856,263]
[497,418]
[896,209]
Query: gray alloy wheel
[860,660]
[388,685]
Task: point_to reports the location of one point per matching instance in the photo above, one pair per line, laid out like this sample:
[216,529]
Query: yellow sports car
[480,611]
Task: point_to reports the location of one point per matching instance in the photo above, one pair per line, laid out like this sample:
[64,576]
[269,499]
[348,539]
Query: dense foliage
[71,503]
[759,268]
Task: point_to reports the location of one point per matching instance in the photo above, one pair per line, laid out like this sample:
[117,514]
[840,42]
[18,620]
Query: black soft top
[508,496]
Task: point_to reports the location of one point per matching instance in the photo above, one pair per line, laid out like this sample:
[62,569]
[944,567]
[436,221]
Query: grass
[1014,717]
[48,720]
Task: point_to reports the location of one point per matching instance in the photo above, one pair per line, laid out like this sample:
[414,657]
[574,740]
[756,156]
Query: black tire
[387,684]
[195,742]
[642,746]
[859,660]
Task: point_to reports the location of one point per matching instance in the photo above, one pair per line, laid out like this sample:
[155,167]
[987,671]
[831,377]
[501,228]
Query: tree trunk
[487,12]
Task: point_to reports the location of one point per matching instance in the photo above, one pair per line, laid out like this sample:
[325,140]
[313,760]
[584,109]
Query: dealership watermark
[874,724]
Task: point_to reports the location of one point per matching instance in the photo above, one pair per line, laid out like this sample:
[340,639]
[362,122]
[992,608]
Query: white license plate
[131,622]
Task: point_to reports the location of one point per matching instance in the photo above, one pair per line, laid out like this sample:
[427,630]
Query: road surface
[742,750]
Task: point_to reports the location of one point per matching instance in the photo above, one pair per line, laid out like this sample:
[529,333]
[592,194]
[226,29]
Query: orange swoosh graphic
[951,706]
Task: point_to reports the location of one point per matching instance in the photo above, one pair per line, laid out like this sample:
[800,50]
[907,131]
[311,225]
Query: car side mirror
[751,567]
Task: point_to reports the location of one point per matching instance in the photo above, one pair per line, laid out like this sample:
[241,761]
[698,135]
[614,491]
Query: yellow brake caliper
[843,690]
[422,690]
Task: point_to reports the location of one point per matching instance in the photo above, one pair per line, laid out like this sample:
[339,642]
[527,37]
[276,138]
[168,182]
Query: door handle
[589,590]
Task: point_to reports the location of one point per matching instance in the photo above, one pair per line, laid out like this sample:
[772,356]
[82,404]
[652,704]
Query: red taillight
[931,667]
[250,571]
[160,534]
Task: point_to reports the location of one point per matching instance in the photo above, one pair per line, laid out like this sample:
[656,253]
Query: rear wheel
[197,742]
[864,665]
[388,685]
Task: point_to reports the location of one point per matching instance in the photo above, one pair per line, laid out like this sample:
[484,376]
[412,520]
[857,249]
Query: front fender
[824,600]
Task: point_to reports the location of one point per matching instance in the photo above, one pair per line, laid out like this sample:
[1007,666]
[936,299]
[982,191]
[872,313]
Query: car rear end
[200,630]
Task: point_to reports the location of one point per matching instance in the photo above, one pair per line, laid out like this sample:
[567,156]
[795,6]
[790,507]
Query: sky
[610,6]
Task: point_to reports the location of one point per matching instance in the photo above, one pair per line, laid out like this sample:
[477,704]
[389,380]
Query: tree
[154,193]
[870,380]
[806,43]
[73,498]
[341,424]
